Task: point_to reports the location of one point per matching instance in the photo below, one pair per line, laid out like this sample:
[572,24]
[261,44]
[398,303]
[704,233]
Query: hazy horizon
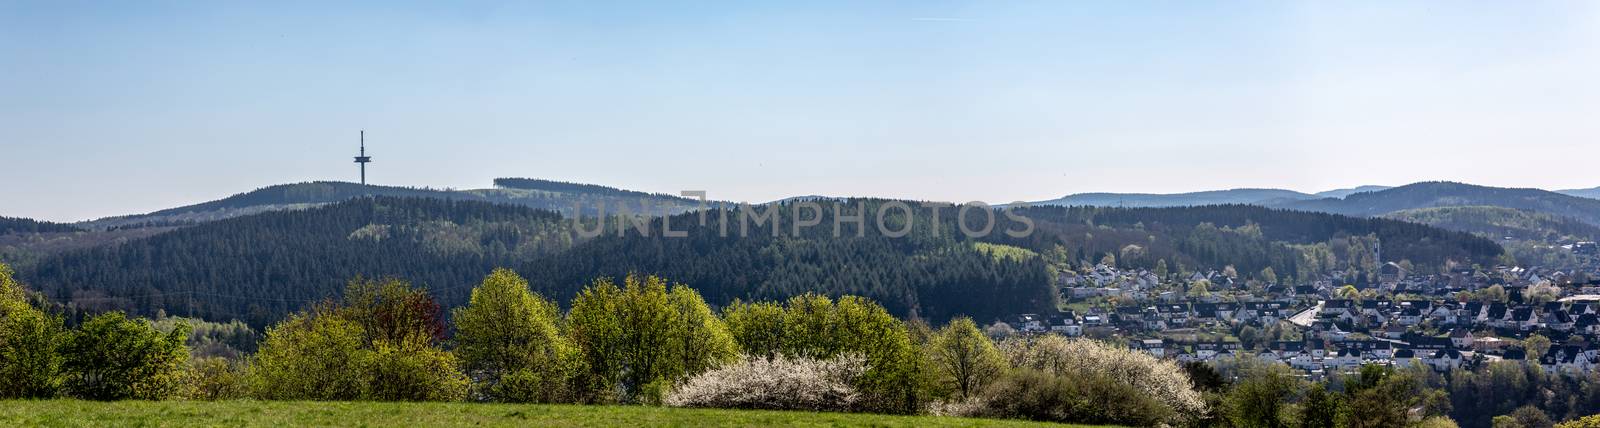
[112,108]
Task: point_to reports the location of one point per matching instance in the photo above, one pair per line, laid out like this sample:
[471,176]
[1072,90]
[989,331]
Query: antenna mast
[363,159]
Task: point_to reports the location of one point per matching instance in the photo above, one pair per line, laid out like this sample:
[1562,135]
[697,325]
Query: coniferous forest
[261,267]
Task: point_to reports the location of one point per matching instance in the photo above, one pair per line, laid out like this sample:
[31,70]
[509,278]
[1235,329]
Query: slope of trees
[1500,223]
[1248,237]
[261,267]
[1447,194]
[926,273]
[10,225]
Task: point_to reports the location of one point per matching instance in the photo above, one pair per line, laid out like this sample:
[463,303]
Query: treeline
[648,342]
[1501,394]
[316,192]
[579,188]
[10,225]
[644,341]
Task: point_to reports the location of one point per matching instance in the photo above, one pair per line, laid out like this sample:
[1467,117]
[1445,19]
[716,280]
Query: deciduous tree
[112,357]
[964,357]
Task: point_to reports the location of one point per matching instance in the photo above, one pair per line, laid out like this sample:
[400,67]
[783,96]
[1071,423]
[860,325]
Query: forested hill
[10,225]
[1295,244]
[1445,194]
[1591,193]
[260,267]
[934,271]
[1503,223]
[566,198]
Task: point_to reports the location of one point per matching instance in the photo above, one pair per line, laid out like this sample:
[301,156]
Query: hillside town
[1459,319]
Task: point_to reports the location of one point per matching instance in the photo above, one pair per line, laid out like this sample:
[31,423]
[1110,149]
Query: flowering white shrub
[1162,380]
[778,384]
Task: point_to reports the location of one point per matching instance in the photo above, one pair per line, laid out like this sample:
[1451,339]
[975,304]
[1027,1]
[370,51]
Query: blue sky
[111,108]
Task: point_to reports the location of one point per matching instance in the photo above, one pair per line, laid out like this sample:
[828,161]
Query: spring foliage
[1162,381]
[379,343]
[815,327]
[964,358]
[639,339]
[510,342]
[29,362]
[777,383]
[112,357]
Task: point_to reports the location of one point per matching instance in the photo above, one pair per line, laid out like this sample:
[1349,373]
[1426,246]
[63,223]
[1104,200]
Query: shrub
[310,357]
[778,383]
[1081,397]
[214,378]
[381,344]
[412,371]
[1260,398]
[1443,422]
[816,327]
[1379,396]
[1161,380]
[30,366]
[112,357]
[1584,422]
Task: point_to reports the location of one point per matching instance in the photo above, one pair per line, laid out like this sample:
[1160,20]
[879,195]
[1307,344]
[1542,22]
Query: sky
[111,108]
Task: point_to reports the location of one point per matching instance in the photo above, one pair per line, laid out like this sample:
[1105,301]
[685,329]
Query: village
[1455,320]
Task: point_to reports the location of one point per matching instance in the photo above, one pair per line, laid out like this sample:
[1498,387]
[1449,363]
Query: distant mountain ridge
[1592,193]
[1542,211]
[1155,200]
[1243,196]
[1450,194]
[1341,193]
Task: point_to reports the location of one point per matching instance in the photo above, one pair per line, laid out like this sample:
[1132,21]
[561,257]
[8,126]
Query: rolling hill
[1593,193]
[1449,194]
[260,267]
[541,194]
[1213,197]
[1264,197]
[1502,223]
[1340,193]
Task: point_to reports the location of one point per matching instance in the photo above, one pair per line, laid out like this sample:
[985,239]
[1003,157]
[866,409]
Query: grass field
[281,414]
